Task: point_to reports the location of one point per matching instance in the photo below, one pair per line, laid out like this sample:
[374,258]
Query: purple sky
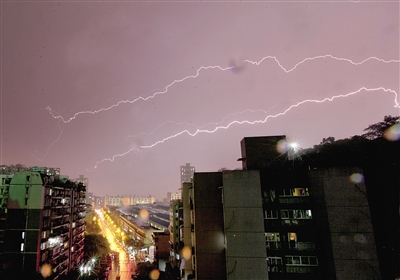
[79,57]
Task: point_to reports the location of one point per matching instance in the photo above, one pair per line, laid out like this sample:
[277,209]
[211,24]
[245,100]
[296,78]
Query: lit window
[300,192]
[272,240]
[292,236]
[23,234]
[22,247]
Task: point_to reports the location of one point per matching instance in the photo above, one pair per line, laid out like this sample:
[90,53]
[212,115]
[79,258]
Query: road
[124,267]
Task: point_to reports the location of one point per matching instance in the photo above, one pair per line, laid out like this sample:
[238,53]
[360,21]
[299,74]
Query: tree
[96,245]
[328,140]
[143,270]
[377,130]
[92,225]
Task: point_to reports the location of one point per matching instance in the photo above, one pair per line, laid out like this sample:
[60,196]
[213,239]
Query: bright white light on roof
[294,145]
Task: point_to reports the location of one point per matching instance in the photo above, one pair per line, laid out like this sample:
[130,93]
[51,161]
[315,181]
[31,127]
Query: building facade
[187,172]
[128,200]
[276,219]
[84,181]
[42,223]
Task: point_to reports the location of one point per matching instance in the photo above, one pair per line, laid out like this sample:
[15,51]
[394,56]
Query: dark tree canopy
[377,130]
[92,225]
[96,245]
[143,270]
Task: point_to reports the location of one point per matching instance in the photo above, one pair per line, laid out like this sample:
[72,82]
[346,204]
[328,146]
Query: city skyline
[127,92]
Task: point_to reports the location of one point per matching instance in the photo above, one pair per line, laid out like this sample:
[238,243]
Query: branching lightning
[140,98]
[200,127]
[58,116]
[319,57]
[51,145]
[328,99]
[220,125]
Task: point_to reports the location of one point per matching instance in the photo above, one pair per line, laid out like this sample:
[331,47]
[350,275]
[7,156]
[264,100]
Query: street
[125,267]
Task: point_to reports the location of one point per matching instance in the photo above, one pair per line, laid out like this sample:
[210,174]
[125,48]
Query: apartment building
[187,172]
[41,223]
[276,219]
[128,200]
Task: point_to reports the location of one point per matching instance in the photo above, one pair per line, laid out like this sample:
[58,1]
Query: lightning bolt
[262,121]
[51,145]
[200,127]
[56,115]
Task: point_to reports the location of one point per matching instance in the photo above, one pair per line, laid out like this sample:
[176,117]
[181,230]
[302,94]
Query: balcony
[294,199]
[305,246]
[301,269]
[273,245]
[296,222]
[54,252]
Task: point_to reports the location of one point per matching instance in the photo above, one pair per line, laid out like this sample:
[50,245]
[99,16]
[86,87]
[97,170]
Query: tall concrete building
[187,172]
[277,219]
[41,223]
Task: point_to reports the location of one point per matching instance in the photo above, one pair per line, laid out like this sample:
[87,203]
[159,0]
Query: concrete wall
[260,152]
[209,226]
[349,222]
[244,226]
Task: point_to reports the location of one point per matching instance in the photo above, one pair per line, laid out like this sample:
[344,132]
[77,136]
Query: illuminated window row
[288,214]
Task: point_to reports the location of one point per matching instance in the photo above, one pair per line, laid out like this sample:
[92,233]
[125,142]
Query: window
[272,240]
[22,247]
[296,214]
[292,237]
[302,260]
[272,195]
[284,214]
[294,192]
[300,192]
[23,234]
[274,264]
[313,260]
[286,192]
[270,214]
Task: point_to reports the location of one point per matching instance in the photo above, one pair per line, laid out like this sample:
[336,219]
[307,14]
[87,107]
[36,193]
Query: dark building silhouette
[329,213]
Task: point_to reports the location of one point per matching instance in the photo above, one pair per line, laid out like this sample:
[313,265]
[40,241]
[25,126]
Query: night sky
[127,92]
